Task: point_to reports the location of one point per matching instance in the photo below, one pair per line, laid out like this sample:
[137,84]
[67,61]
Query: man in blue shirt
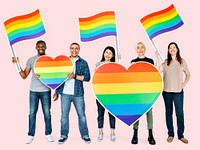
[72,91]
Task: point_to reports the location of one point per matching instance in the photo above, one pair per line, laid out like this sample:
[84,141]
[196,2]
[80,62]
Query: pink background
[61,22]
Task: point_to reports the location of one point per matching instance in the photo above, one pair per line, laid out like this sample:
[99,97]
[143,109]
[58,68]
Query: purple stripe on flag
[27,37]
[166,30]
[98,36]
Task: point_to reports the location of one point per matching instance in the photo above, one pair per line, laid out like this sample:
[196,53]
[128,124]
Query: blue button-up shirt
[82,69]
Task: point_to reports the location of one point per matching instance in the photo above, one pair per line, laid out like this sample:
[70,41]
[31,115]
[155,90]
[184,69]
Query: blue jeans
[45,98]
[79,105]
[100,117]
[177,98]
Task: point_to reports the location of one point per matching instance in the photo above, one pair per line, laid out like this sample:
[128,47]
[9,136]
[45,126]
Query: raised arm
[23,73]
[158,63]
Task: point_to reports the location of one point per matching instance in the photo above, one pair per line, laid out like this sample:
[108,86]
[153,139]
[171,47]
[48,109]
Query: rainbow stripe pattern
[24,27]
[127,94]
[162,21]
[53,72]
[97,26]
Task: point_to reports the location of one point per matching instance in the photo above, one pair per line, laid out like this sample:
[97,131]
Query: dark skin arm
[23,73]
[55,96]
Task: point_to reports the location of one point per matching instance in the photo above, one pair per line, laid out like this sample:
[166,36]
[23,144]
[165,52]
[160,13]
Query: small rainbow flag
[127,94]
[97,26]
[53,72]
[24,27]
[162,21]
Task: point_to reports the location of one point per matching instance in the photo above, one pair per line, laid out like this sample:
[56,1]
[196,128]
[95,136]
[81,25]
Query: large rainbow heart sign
[53,72]
[127,93]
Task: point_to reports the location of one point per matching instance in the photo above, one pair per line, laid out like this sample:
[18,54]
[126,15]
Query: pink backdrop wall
[61,21]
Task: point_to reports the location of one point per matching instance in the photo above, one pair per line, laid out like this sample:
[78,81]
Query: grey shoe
[112,138]
[100,137]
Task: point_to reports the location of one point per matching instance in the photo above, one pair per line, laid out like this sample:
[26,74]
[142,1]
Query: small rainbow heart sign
[53,72]
[127,93]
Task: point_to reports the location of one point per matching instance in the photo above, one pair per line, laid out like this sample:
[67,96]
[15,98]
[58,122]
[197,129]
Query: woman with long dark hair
[107,56]
[174,68]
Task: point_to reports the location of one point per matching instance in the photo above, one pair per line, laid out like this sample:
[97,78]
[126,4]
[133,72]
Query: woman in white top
[107,56]
[174,68]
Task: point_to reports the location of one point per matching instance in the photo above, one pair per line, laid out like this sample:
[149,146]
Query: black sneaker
[87,140]
[62,140]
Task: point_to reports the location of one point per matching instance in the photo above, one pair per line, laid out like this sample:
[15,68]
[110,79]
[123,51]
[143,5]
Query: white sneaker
[112,138]
[100,137]
[29,139]
[49,138]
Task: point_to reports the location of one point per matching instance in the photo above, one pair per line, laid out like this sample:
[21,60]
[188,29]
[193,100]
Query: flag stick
[117,44]
[158,51]
[154,45]
[17,63]
[117,49]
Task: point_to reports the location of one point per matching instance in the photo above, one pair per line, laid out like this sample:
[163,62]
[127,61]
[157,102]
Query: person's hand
[55,97]
[37,76]
[183,85]
[119,56]
[96,68]
[71,75]
[15,59]
[157,54]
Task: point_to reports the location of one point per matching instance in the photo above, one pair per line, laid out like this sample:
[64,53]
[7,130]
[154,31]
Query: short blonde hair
[142,44]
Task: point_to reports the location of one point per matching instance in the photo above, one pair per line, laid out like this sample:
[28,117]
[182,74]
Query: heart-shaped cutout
[53,72]
[127,93]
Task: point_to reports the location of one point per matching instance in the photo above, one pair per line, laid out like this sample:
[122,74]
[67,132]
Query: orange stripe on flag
[107,13]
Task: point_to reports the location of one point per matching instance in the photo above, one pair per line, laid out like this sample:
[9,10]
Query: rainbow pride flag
[97,26]
[161,21]
[127,94]
[53,72]
[24,27]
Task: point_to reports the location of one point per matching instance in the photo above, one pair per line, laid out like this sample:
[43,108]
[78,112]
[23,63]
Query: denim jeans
[79,105]
[45,98]
[100,117]
[177,98]
[149,116]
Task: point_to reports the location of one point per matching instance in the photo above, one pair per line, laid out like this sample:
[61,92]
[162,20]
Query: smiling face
[173,50]
[140,49]
[74,50]
[108,55]
[41,48]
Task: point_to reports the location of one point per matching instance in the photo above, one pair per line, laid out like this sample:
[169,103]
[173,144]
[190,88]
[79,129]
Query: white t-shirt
[69,84]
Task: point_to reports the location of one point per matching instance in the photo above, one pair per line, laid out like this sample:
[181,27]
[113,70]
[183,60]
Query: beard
[41,52]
